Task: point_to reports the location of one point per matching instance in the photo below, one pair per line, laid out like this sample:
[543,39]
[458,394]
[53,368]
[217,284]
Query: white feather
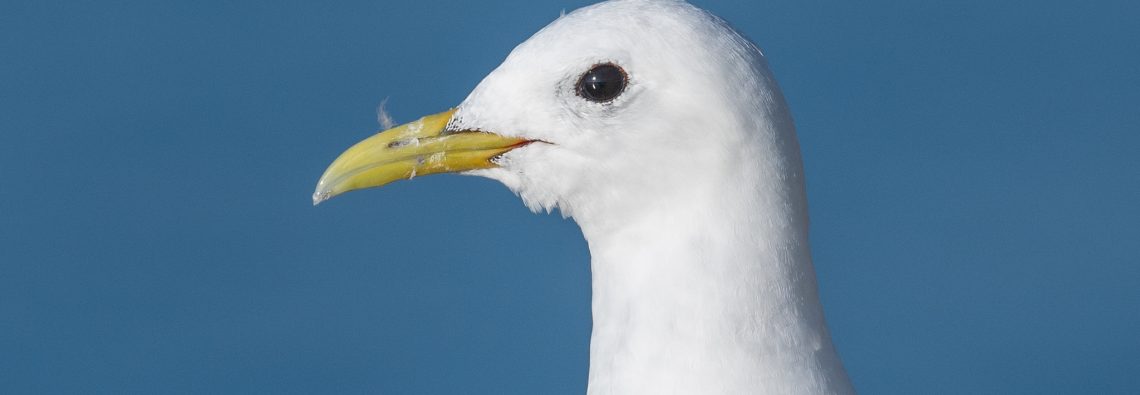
[383,117]
[689,189]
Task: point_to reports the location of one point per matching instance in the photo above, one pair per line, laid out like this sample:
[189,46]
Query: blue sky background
[973,174]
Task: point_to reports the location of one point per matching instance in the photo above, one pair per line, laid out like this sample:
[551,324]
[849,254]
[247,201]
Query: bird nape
[659,130]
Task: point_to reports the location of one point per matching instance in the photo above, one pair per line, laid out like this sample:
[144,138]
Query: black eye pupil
[602,83]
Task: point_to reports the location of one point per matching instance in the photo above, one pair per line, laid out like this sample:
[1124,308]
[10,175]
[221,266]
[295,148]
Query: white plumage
[688,187]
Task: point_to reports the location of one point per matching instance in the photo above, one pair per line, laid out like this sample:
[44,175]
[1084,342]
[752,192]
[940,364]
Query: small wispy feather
[383,117]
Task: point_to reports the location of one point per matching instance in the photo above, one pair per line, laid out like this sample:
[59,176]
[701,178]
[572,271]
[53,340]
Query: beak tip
[320,195]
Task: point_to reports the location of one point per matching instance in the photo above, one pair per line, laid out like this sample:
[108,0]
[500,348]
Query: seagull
[662,133]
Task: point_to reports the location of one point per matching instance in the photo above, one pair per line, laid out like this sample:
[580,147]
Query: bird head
[623,98]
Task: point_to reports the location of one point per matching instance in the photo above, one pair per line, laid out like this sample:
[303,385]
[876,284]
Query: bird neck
[691,297]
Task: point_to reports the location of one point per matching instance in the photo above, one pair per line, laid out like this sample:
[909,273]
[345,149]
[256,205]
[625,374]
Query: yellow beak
[417,148]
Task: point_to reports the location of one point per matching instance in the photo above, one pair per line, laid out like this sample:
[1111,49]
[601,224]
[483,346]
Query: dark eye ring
[602,83]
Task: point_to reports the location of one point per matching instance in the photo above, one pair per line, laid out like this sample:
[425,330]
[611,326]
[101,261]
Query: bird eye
[603,83]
